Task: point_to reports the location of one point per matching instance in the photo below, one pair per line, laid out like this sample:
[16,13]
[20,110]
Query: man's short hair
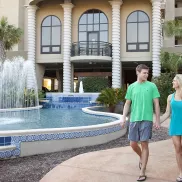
[141,67]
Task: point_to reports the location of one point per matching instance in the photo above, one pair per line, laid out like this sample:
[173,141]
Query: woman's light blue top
[176,117]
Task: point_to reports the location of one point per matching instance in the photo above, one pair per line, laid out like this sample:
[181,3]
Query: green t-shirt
[141,96]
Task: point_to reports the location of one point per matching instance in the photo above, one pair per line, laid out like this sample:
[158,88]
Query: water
[53,118]
[81,88]
[18,88]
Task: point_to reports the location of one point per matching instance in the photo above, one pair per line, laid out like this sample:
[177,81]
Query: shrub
[41,94]
[164,85]
[111,96]
[94,84]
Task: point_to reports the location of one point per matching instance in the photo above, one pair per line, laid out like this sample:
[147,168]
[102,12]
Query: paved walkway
[117,165]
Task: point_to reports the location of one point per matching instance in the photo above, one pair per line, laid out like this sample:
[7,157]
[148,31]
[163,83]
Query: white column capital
[155,1]
[116,2]
[67,5]
[31,7]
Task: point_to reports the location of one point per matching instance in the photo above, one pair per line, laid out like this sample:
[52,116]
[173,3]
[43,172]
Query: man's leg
[145,133]
[136,148]
[144,157]
[134,138]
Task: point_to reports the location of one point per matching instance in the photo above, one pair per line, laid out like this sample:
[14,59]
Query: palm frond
[9,34]
[111,96]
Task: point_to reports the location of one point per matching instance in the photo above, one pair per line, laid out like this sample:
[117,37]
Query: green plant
[94,84]
[9,36]
[173,28]
[41,94]
[164,85]
[30,98]
[111,96]
[171,62]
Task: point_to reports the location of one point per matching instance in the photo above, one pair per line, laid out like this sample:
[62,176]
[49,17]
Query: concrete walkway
[117,165]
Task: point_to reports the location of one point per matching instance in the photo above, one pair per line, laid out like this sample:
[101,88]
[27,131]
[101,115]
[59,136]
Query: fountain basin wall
[40,141]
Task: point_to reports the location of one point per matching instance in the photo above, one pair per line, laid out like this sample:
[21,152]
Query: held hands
[157,125]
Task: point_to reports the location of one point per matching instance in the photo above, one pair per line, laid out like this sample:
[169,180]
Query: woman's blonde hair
[179,80]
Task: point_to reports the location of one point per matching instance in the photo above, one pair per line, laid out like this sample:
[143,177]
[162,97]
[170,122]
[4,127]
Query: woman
[174,108]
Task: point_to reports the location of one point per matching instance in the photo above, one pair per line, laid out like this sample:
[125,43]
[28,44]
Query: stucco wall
[80,6]
[19,14]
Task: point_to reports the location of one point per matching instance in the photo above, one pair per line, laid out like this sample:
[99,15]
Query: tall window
[138,32]
[93,26]
[51,35]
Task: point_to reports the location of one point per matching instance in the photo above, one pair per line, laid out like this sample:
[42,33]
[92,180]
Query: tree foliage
[94,84]
[173,28]
[9,36]
[171,62]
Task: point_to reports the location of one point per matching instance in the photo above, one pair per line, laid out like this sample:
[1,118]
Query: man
[141,95]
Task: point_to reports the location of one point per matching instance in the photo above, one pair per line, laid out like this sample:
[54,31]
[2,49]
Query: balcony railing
[91,48]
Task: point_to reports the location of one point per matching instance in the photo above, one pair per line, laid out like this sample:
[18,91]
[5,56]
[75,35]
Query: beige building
[173,10]
[70,39]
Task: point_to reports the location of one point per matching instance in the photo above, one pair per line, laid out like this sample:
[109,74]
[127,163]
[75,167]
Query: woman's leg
[177,141]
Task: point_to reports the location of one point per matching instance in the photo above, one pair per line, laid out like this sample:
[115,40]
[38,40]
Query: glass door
[93,43]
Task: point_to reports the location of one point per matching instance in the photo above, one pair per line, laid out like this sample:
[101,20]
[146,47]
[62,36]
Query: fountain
[81,88]
[18,89]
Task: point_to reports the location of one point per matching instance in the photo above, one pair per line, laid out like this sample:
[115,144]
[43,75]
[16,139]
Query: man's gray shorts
[140,131]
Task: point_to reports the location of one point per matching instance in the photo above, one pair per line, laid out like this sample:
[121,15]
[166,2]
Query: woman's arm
[168,110]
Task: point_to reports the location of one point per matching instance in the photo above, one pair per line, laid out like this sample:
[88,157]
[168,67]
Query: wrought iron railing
[91,48]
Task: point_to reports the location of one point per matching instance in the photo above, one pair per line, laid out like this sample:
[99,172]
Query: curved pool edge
[41,141]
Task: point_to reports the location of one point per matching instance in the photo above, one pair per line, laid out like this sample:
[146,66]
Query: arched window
[51,35]
[93,26]
[138,32]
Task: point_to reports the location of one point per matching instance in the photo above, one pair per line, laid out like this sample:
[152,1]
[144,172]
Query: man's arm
[125,112]
[157,113]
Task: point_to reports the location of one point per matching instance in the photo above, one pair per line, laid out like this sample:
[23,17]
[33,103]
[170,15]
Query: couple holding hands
[141,96]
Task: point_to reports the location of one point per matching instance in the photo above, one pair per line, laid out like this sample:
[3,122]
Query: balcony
[178,12]
[91,48]
[177,49]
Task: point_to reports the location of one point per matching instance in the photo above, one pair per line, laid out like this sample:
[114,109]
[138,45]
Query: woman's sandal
[142,178]
[179,179]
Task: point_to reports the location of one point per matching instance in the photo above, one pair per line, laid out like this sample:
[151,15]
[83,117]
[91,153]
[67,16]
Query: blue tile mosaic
[68,102]
[4,141]
[16,140]
[75,99]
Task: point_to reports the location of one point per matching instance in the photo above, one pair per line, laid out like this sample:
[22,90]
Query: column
[67,47]
[31,79]
[156,37]
[31,32]
[116,49]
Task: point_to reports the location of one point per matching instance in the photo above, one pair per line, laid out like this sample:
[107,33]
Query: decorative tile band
[16,140]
